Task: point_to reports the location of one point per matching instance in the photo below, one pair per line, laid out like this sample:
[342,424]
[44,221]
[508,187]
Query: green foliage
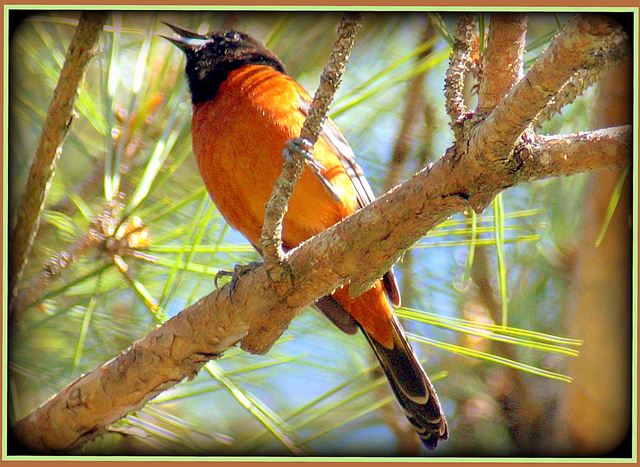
[317,391]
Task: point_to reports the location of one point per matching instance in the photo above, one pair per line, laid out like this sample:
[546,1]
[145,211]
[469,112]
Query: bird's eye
[232,36]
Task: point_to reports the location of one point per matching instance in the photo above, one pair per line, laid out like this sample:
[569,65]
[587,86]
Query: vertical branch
[459,64]
[276,207]
[502,63]
[56,126]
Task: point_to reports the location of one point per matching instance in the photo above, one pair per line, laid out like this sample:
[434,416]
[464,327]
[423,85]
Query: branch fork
[471,171]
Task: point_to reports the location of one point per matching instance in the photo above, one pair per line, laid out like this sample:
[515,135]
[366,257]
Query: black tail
[412,387]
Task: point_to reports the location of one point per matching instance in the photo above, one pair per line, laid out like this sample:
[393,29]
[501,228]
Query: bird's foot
[239,270]
[303,147]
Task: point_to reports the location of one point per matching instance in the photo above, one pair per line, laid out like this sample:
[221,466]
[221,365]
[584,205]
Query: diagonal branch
[276,207]
[57,123]
[583,79]
[255,314]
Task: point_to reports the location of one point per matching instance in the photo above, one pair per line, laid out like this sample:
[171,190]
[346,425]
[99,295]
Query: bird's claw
[303,147]
[238,271]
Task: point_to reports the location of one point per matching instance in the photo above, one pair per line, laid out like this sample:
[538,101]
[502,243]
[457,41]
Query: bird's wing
[334,139]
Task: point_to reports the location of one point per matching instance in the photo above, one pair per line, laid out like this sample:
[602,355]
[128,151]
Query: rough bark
[276,207]
[574,48]
[459,65]
[56,126]
[256,311]
[503,59]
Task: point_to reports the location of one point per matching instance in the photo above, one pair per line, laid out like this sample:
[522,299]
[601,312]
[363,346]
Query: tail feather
[412,388]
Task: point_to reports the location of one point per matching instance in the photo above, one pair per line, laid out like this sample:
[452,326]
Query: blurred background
[522,322]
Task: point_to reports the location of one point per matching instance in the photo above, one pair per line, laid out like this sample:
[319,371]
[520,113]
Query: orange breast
[238,138]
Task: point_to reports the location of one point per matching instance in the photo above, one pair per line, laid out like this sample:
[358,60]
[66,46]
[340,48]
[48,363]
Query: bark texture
[503,59]
[489,156]
[56,126]
[276,207]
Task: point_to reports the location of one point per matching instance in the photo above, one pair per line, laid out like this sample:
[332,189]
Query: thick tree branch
[276,207]
[576,47]
[257,310]
[552,156]
[255,314]
[502,61]
[54,130]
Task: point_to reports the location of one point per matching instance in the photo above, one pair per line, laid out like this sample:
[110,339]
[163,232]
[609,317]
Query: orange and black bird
[246,109]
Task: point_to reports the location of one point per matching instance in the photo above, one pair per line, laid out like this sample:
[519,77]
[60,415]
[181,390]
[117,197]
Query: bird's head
[211,57]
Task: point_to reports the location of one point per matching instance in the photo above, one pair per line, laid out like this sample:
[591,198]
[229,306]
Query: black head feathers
[211,57]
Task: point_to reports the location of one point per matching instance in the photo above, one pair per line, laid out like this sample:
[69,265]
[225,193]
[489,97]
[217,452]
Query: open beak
[188,41]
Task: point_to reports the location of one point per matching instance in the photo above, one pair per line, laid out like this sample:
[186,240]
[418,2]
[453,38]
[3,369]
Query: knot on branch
[55,265]
[281,276]
[115,236]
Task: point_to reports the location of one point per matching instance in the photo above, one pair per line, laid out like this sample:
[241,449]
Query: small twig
[459,65]
[55,128]
[276,207]
[50,271]
[101,227]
